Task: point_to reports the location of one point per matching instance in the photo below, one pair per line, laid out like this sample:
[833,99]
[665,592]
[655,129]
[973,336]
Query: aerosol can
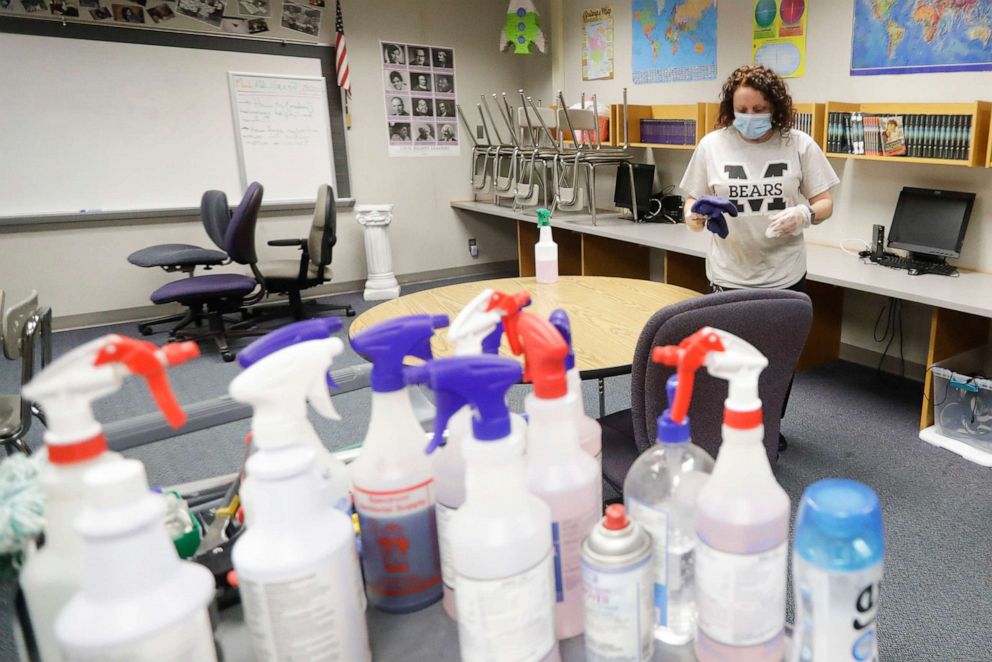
[618,580]
[742,518]
[138,601]
[590,431]
[545,250]
[558,470]
[837,570]
[283,371]
[501,536]
[475,330]
[66,390]
[297,566]
[392,481]
[660,491]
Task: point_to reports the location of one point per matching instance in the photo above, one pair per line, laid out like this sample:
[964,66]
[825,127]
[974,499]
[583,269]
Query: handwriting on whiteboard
[268,121]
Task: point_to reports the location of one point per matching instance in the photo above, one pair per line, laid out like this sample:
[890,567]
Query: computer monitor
[928,222]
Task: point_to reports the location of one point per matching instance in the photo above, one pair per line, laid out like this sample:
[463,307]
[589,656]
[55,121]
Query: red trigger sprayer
[686,358]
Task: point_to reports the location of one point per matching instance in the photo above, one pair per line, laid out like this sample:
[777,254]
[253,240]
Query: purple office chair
[215,216]
[776,322]
[212,296]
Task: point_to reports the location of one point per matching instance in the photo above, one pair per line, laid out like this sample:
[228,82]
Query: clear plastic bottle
[837,566]
[660,493]
[546,250]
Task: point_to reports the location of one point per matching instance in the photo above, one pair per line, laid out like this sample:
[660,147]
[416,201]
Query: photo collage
[244,17]
[419,93]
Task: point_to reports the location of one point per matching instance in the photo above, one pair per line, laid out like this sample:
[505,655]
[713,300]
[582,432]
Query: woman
[775,178]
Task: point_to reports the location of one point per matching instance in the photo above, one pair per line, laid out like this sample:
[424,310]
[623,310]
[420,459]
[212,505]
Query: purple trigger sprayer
[391,478]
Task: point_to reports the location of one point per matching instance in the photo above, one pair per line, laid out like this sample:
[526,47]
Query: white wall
[868,190]
[81,270]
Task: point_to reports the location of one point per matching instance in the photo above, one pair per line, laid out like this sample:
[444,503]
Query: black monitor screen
[931,222]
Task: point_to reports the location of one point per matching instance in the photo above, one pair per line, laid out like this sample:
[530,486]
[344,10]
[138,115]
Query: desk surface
[971,292]
[607,314]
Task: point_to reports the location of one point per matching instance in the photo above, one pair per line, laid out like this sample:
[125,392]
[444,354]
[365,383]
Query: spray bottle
[742,517]
[501,536]
[138,601]
[391,477]
[660,491]
[474,331]
[66,390]
[296,563]
[558,470]
[837,570]
[545,250]
[590,431]
[283,371]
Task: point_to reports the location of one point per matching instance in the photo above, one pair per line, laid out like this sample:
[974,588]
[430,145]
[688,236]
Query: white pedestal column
[381,283]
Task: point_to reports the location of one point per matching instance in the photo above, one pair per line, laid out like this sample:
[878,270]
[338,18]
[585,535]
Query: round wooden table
[607,314]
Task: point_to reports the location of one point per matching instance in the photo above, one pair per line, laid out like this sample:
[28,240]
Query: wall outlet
[473,247]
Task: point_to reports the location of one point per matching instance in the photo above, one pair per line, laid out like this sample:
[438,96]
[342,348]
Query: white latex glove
[791,220]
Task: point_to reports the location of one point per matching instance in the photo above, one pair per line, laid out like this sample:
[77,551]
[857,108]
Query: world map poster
[673,40]
[597,44]
[921,36]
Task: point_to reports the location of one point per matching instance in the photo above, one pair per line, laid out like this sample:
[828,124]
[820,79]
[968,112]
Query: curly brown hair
[764,80]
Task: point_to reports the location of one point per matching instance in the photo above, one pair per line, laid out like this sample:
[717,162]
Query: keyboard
[897,262]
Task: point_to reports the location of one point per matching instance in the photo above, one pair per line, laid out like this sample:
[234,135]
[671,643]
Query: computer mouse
[913,272]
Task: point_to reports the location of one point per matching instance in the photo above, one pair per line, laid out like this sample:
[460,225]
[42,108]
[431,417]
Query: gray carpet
[843,420]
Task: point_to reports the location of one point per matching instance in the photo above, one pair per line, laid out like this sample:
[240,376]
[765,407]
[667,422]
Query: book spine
[831,132]
[909,131]
[967,136]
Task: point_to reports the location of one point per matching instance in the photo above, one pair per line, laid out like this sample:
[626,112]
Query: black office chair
[26,326]
[291,277]
[776,322]
[215,216]
[212,296]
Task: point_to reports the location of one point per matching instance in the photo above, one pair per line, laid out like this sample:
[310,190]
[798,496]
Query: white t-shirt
[761,179]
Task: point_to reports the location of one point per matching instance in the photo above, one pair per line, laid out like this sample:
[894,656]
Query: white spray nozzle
[278,387]
[473,324]
[740,363]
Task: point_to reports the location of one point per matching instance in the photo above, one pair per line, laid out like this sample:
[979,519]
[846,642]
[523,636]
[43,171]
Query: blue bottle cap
[670,432]
[840,508]
[386,344]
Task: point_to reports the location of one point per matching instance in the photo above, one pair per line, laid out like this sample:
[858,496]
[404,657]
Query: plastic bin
[962,398]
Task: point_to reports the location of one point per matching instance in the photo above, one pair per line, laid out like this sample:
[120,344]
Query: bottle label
[655,522]
[566,538]
[619,611]
[444,515]
[400,553]
[836,613]
[190,640]
[741,597]
[510,619]
[307,616]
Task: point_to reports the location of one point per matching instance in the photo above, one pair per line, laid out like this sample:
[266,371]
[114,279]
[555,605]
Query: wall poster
[779,41]
[597,44]
[419,84]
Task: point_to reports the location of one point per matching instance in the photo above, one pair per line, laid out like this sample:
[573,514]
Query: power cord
[893,326]
[865,253]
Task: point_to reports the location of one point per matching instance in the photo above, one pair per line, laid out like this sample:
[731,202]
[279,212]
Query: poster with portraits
[419,84]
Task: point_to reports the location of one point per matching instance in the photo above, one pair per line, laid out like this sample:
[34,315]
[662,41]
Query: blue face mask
[753,125]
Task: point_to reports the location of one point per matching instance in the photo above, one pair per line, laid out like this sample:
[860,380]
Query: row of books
[803,122]
[668,132]
[924,136]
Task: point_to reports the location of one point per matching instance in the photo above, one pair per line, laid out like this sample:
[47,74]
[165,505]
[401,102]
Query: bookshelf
[988,157]
[688,112]
[816,124]
[979,112]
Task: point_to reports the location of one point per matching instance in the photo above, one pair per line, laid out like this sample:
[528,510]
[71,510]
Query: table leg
[602,397]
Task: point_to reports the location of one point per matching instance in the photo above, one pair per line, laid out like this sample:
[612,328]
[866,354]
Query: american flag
[344,74]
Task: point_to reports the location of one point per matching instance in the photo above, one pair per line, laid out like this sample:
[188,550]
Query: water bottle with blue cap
[837,566]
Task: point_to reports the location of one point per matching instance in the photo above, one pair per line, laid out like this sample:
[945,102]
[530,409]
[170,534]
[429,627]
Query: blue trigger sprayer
[500,538]
[391,478]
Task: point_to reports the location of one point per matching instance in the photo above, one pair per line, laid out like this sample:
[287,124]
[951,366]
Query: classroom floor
[843,420]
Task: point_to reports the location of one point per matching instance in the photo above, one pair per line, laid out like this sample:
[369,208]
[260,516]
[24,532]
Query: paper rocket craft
[521,28]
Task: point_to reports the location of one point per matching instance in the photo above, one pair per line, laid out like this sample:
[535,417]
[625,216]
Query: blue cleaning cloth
[714,207]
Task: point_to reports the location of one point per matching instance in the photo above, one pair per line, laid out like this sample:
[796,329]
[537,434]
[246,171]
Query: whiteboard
[283,131]
[118,127]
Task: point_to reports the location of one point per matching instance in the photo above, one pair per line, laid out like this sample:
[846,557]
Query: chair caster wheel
[227,356]
[145,330]
[350,313]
